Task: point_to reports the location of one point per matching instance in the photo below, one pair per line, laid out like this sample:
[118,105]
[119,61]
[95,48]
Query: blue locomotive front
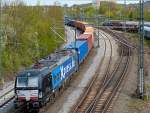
[32,87]
[38,85]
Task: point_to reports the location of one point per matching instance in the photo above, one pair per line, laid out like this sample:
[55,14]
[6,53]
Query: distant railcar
[130,26]
[147,32]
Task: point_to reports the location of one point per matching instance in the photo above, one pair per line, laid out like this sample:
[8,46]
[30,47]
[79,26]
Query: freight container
[89,39]
[80,25]
[81,48]
[90,30]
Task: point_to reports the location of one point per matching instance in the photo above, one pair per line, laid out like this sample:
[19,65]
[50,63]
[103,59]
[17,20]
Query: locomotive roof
[33,72]
[45,65]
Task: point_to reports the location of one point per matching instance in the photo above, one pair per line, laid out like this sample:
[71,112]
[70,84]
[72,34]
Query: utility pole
[97,26]
[125,16]
[65,10]
[98,30]
[1,36]
[65,16]
[75,47]
[109,10]
[141,55]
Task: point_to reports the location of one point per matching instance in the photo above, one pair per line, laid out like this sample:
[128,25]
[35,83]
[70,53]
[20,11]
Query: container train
[42,82]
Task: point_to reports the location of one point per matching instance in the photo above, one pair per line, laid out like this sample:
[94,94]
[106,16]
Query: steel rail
[102,82]
[118,37]
[104,107]
[119,61]
[110,99]
[75,110]
[6,100]
[109,64]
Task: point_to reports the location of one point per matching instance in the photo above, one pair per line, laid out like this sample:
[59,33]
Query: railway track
[97,82]
[100,101]
[7,97]
[24,109]
[118,37]
[106,95]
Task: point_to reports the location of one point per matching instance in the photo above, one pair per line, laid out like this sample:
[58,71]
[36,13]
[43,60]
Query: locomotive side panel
[63,71]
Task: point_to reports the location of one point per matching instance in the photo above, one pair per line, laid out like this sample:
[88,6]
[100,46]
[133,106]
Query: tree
[28,34]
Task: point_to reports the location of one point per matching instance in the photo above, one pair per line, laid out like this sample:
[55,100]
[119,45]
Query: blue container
[81,46]
[65,68]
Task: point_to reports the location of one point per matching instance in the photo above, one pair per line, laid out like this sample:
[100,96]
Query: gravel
[127,101]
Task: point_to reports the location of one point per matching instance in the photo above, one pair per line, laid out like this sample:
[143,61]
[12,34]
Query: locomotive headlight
[40,94]
[16,96]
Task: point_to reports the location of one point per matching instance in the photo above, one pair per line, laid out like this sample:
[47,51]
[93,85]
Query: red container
[89,39]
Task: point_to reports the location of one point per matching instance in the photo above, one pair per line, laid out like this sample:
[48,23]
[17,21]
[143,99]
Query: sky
[51,2]
[69,2]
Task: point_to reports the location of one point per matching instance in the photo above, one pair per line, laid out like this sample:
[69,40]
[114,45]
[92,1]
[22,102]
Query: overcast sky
[69,2]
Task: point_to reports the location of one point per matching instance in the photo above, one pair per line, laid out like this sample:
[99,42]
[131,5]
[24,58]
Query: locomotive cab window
[27,81]
[21,82]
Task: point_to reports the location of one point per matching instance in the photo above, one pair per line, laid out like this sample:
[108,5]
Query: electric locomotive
[38,85]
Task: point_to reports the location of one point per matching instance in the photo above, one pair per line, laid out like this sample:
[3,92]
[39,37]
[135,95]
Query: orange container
[90,30]
[89,39]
